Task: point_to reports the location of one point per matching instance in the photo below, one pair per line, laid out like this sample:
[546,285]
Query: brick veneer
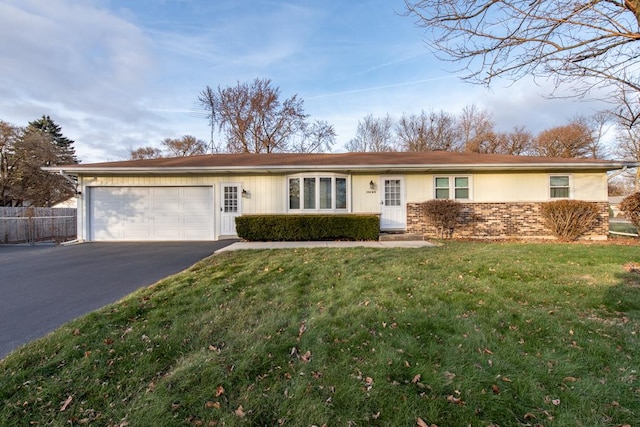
[499,221]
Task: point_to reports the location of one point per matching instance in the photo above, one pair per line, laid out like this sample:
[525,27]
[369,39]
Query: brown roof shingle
[344,161]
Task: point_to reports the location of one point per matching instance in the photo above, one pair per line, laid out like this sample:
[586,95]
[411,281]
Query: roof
[346,162]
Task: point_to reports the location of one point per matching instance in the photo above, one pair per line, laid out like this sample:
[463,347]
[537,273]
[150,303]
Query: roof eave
[605,166]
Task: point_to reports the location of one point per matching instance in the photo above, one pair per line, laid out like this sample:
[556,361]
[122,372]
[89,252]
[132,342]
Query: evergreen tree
[64,145]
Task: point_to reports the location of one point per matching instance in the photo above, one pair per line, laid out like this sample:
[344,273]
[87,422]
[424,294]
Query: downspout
[69,179]
[617,173]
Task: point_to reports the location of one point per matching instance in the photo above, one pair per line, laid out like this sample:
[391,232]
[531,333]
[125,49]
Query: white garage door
[151,213]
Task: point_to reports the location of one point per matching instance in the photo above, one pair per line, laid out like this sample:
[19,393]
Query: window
[442,188]
[294,193]
[460,190]
[230,199]
[318,193]
[559,186]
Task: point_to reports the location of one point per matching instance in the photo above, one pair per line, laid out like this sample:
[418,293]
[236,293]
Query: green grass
[623,227]
[479,334]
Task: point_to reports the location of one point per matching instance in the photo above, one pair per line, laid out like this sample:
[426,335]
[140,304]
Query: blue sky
[120,74]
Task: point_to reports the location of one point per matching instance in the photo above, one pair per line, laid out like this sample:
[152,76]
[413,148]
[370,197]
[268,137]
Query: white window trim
[317,176]
[570,176]
[452,188]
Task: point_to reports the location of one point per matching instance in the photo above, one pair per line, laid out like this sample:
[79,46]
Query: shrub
[307,227]
[630,205]
[443,214]
[570,219]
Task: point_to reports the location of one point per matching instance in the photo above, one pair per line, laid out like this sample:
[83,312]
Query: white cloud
[78,63]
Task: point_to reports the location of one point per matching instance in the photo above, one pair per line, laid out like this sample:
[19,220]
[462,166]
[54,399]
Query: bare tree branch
[590,44]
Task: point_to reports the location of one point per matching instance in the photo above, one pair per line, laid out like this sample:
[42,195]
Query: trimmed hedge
[307,227]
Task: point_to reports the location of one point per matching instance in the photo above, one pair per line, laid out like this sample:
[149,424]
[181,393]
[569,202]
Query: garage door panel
[151,213]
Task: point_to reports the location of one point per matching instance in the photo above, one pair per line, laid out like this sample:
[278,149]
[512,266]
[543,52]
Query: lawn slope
[464,334]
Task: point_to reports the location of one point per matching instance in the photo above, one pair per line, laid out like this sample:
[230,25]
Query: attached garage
[151,213]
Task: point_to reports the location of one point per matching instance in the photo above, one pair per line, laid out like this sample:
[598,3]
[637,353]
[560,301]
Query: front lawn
[479,334]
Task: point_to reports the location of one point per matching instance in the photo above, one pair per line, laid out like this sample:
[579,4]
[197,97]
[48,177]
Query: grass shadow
[626,295]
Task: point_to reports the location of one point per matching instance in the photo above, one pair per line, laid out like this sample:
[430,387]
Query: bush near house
[307,227]
[444,215]
[570,219]
[630,205]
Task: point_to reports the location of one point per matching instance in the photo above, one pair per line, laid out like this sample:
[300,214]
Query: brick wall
[499,221]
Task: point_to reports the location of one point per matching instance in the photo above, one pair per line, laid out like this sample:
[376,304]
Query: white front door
[230,207]
[393,211]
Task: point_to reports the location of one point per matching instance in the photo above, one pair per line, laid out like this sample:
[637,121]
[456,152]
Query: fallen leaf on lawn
[506,379]
[219,391]
[306,357]
[108,341]
[455,400]
[66,403]
[556,402]
[570,379]
[211,404]
[529,416]
[416,378]
[376,416]
[449,375]
[303,327]
[239,412]
[76,332]
[495,389]
[420,423]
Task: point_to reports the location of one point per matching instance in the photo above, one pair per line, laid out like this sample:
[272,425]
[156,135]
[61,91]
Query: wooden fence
[30,225]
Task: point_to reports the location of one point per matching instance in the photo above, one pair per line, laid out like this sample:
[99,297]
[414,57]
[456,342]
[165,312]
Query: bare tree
[588,43]
[573,140]
[30,184]
[411,131]
[599,125]
[518,142]
[476,128]
[146,152]
[373,134]
[318,136]
[207,101]
[185,146]
[253,118]
[628,148]
[9,135]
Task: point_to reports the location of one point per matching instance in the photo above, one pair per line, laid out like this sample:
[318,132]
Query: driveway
[43,287]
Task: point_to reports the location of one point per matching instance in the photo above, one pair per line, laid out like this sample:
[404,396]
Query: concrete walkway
[292,245]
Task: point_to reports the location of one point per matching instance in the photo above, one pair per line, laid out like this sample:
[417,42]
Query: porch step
[400,237]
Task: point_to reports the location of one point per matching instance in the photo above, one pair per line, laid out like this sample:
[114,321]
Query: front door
[230,208]
[393,215]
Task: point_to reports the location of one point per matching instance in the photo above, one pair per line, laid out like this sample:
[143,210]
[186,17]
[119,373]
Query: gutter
[162,170]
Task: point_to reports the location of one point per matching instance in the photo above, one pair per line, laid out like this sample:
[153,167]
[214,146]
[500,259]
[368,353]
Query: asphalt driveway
[43,287]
